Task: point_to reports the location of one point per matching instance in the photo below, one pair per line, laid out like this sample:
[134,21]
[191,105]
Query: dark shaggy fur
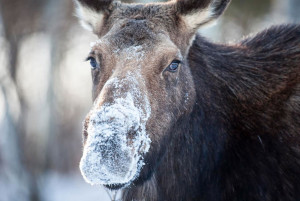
[242,140]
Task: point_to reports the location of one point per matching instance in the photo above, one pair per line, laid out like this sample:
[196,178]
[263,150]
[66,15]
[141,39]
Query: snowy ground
[56,187]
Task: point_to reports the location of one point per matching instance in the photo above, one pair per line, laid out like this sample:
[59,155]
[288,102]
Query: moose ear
[198,12]
[91,13]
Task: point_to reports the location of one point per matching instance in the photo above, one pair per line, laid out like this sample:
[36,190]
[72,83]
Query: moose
[176,117]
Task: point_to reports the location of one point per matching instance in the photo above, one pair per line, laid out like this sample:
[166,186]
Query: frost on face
[117,139]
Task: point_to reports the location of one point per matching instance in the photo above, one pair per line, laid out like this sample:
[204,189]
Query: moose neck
[225,105]
[194,153]
[188,170]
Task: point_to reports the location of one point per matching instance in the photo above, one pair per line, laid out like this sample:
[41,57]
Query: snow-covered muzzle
[117,138]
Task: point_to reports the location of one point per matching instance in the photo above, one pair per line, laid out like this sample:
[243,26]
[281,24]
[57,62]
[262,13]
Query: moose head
[142,84]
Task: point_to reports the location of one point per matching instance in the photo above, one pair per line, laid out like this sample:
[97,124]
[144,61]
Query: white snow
[54,186]
[186,97]
[110,156]
[134,52]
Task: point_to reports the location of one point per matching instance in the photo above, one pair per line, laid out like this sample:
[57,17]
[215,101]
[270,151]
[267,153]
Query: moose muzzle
[117,138]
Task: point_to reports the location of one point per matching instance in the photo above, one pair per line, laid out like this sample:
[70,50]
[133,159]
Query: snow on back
[117,138]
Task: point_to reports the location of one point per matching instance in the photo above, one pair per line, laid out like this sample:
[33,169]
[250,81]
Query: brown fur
[225,126]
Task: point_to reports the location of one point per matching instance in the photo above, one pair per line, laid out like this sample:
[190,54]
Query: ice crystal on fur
[110,155]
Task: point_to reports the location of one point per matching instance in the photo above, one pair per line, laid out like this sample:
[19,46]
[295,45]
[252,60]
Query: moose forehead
[136,35]
[160,15]
[135,25]
[131,32]
[132,24]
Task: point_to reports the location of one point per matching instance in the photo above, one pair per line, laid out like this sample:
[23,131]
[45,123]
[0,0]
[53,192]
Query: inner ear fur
[92,13]
[198,12]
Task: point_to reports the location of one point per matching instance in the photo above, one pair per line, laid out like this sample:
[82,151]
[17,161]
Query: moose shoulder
[176,117]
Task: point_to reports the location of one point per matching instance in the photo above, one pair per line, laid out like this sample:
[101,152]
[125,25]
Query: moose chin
[176,117]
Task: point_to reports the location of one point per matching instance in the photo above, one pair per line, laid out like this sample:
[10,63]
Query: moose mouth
[111,156]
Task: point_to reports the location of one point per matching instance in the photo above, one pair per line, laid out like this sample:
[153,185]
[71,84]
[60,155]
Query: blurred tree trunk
[19,19]
[294,10]
[59,15]
[14,173]
[14,127]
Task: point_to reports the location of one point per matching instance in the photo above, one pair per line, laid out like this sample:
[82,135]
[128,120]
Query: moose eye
[93,62]
[173,66]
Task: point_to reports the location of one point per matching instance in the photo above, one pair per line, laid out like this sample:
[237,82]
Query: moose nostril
[85,127]
[139,18]
[131,134]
